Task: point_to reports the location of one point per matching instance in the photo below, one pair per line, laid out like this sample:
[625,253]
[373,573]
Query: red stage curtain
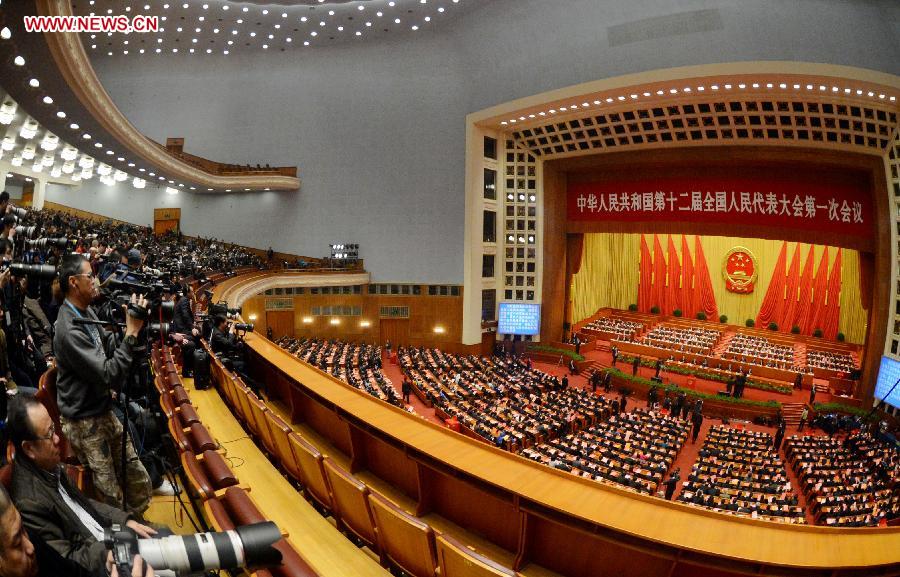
[790,295]
[833,307]
[574,251]
[645,286]
[802,318]
[817,309]
[706,300]
[770,309]
[687,281]
[659,276]
[673,290]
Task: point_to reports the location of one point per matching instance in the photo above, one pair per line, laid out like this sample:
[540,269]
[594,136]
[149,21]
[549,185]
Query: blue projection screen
[519,319]
[887,376]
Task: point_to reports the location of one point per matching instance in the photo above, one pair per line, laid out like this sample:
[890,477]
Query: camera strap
[91,329]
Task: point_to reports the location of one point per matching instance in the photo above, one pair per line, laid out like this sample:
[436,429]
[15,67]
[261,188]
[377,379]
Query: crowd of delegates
[850,482]
[759,351]
[840,362]
[359,365]
[634,450]
[502,399]
[740,472]
[683,339]
[622,329]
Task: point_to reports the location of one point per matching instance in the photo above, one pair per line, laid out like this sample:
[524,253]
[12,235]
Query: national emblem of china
[739,270]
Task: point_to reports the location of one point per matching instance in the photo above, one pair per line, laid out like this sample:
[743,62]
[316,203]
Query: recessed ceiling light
[360,7]
[303,19]
[340,28]
[19,61]
[48,100]
[265,12]
[34,83]
[415,27]
[313,33]
[288,39]
[265,46]
[306,42]
[5,33]
[60,114]
[74,126]
[358,33]
[396,21]
[252,34]
[428,19]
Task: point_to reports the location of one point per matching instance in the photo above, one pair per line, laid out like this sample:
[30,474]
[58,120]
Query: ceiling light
[29,129]
[8,112]
[104,169]
[139,182]
[396,21]
[69,153]
[98,145]
[34,83]
[19,61]
[48,100]
[74,126]
[303,19]
[265,12]
[6,34]
[50,141]
[9,142]
[56,172]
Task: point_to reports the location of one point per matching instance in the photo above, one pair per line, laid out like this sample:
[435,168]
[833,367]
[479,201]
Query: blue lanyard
[90,328]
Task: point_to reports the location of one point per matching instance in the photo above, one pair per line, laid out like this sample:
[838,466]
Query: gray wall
[377,129]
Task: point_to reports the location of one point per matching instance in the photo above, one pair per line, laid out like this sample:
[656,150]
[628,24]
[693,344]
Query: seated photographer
[226,345]
[51,507]
[25,554]
[91,364]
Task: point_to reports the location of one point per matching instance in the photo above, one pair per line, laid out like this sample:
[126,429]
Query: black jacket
[35,493]
[223,342]
[51,564]
[87,371]
[183,321]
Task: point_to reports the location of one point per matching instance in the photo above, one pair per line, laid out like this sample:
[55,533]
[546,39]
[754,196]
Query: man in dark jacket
[91,365]
[51,507]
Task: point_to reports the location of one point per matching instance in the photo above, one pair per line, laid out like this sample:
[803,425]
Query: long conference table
[570,525]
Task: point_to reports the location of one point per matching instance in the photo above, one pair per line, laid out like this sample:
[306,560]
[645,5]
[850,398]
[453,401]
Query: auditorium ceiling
[225,28]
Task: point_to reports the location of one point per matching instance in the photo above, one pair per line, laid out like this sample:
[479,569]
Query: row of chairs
[209,479]
[402,541]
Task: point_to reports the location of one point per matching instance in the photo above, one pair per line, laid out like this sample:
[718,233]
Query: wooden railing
[543,516]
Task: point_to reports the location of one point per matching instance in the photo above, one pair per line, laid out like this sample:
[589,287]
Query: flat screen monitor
[519,319]
[887,376]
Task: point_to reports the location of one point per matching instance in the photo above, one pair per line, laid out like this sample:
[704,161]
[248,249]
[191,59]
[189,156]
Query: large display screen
[887,376]
[519,319]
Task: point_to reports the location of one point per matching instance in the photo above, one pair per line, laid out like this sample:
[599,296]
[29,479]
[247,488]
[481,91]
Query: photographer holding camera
[91,365]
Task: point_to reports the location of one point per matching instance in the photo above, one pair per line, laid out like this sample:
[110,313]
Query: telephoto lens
[43,271]
[249,546]
[18,211]
[246,327]
[26,231]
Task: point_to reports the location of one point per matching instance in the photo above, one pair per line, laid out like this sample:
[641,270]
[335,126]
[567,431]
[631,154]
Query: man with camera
[91,365]
[23,554]
[51,507]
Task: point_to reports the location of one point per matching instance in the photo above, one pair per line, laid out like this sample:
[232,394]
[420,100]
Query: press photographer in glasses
[92,365]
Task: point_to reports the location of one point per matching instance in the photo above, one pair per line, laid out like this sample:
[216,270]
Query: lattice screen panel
[521,188]
[716,121]
[893,164]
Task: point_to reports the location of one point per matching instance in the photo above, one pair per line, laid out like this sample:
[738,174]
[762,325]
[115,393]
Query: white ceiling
[223,27]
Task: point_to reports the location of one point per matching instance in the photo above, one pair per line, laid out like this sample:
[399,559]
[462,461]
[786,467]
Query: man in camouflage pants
[91,365]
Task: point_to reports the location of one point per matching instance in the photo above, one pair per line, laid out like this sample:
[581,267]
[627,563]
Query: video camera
[41,243]
[117,291]
[247,546]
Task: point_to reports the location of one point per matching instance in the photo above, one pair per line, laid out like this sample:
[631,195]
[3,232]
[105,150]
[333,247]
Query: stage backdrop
[610,275]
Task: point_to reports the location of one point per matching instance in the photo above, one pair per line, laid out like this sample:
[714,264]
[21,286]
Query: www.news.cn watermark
[92,24]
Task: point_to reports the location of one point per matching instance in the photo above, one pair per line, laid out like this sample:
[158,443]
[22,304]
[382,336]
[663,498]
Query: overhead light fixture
[307,320]
[5,33]
[139,182]
[50,141]
[68,167]
[28,152]
[9,142]
[335,321]
[120,176]
[365,324]
[170,190]
[29,129]
[439,330]
[104,170]
[8,112]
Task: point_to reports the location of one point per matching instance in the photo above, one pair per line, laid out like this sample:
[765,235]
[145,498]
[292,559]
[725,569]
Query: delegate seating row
[839,362]
[402,542]
[633,450]
[611,327]
[685,339]
[358,365]
[852,482]
[748,348]
[739,472]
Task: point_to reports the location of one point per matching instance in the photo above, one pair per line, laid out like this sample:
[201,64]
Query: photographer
[90,366]
[23,554]
[51,506]
[185,332]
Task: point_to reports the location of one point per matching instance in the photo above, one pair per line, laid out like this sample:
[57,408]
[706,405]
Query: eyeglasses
[49,434]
